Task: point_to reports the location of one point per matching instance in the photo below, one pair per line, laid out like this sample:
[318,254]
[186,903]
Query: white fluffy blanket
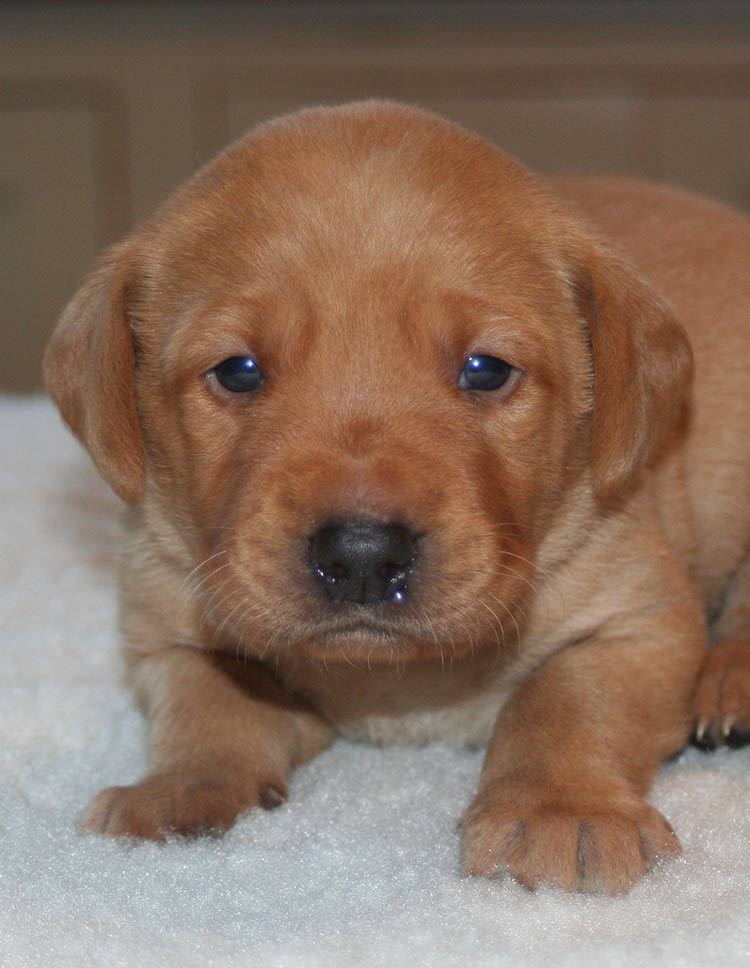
[359,868]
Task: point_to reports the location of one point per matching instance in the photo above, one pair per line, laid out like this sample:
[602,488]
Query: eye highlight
[485,373]
[239,374]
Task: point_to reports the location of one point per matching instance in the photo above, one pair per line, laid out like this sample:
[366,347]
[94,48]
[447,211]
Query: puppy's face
[361,383]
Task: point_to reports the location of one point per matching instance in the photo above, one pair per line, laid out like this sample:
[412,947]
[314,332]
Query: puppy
[410,449]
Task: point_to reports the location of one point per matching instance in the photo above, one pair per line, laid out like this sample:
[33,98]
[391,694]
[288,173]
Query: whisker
[220,628]
[518,574]
[499,623]
[194,590]
[528,561]
[510,614]
[182,587]
[213,606]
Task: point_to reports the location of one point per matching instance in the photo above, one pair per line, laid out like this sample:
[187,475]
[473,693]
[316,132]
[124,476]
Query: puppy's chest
[412,705]
[468,723]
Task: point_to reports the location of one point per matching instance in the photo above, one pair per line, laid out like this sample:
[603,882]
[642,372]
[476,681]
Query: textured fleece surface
[359,868]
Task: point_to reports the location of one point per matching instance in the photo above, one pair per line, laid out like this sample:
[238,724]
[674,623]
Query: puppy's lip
[361,627]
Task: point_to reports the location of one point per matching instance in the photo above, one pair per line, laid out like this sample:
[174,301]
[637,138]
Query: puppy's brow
[203,334]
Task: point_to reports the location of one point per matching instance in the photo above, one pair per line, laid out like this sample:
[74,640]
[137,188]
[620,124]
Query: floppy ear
[89,373]
[643,368]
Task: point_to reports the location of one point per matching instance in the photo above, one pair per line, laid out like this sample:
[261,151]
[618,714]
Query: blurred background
[104,107]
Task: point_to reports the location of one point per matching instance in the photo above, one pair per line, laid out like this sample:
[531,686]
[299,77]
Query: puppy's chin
[353,638]
[363,645]
[353,641]
[374,638]
[364,630]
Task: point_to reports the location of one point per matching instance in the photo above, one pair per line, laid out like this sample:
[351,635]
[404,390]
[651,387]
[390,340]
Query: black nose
[363,561]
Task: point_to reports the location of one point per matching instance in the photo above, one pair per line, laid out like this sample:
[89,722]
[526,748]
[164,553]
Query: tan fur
[578,529]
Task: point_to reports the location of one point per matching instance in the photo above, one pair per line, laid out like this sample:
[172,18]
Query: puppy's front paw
[595,846]
[182,803]
[722,701]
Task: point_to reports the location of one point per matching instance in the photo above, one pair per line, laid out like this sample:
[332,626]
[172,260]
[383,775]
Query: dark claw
[271,797]
[705,743]
[738,738]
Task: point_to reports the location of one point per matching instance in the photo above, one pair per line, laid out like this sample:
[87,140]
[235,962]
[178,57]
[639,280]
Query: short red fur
[577,532]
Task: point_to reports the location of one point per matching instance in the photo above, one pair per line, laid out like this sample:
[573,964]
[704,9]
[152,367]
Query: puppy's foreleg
[722,701]
[574,751]
[224,738]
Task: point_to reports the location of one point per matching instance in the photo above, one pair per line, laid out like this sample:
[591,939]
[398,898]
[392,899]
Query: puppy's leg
[224,738]
[722,701]
[574,751]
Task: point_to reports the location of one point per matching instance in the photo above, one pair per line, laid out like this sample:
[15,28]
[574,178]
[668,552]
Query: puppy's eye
[240,374]
[484,373]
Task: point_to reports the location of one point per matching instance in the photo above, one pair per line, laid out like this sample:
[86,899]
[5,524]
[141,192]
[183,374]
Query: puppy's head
[365,360]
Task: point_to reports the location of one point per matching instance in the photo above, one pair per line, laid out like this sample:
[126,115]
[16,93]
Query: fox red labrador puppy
[412,448]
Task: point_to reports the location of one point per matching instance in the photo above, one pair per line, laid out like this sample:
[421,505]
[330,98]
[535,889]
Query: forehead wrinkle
[294,334]
[387,358]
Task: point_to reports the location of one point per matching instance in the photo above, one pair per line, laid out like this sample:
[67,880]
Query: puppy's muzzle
[363,561]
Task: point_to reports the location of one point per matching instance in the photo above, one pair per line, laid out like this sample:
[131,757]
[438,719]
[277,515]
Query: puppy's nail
[703,739]
[738,738]
[727,724]
[271,797]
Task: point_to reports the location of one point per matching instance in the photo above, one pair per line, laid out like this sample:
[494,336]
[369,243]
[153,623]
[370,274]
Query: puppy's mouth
[364,628]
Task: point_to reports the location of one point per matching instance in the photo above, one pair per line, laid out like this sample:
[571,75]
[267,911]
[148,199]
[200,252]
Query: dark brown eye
[484,373]
[239,374]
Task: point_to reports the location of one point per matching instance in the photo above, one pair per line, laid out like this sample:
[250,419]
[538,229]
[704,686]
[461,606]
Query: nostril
[331,573]
[393,568]
[324,547]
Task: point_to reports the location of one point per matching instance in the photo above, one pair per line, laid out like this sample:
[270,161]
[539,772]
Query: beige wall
[103,108]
